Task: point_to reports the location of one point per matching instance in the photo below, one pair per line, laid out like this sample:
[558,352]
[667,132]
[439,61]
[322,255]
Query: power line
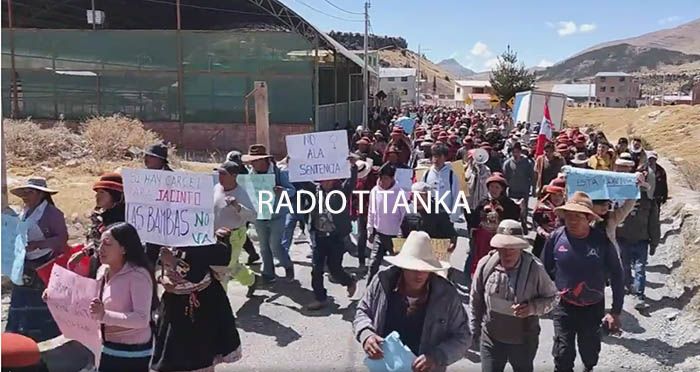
[326,14]
[341,9]
[206,7]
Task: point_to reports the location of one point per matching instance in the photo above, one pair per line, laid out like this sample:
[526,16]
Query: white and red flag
[545,131]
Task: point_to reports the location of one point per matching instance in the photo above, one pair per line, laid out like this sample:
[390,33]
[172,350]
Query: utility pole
[418,77]
[365,75]
[663,88]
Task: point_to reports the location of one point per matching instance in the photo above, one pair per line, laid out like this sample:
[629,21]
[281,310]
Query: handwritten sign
[68,298]
[458,168]
[13,248]
[170,208]
[406,123]
[253,184]
[318,156]
[404,178]
[601,185]
[397,356]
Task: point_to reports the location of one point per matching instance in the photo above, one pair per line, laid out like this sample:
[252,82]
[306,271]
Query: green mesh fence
[80,73]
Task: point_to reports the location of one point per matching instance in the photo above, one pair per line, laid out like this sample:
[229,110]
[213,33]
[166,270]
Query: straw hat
[157,150]
[580,158]
[417,254]
[579,202]
[364,167]
[36,183]
[509,235]
[256,152]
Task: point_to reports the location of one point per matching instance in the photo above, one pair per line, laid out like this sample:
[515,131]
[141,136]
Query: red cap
[109,181]
[363,141]
[19,351]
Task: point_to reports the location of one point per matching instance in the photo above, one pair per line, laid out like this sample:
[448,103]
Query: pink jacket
[127,298]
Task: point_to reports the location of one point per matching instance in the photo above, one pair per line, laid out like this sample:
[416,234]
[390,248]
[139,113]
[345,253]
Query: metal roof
[344,51]
[474,83]
[575,90]
[396,72]
[611,74]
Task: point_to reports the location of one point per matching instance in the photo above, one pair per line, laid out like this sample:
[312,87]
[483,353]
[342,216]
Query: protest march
[146,291]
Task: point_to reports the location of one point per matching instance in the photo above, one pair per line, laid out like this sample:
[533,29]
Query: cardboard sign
[404,177]
[601,185]
[173,209]
[458,169]
[318,156]
[253,184]
[68,298]
[13,248]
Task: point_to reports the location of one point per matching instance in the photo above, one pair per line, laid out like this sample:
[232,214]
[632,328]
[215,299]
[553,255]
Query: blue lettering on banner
[317,169]
[602,185]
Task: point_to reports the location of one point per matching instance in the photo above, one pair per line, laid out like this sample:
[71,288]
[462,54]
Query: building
[463,88]
[695,93]
[399,85]
[577,93]
[183,69]
[617,89]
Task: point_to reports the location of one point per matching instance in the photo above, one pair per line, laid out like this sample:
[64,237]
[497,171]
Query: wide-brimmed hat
[509,235]
[36,183]
[579,202]
[157,150]
[364,167]
[417,254]
[580,158]
[652,154]
[109,181]
[256,152]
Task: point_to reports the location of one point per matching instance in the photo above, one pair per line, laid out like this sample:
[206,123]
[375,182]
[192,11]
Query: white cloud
[481,49]
[566,28]
[454,55]
[670,19]
[587,27]
[491,63]
[545,63]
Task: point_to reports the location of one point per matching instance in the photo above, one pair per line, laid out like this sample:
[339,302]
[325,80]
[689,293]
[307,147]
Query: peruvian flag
[545,131]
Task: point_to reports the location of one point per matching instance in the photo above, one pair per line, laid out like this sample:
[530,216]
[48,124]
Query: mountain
[455,68]
[684,38]
[620,57]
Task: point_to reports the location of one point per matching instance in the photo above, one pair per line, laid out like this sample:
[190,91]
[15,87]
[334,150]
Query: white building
[399,84]
[463,88]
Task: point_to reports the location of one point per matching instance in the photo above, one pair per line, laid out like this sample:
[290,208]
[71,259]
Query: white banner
[318,156]
[173,209]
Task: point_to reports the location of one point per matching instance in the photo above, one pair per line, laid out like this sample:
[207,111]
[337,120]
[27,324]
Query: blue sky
[475,31]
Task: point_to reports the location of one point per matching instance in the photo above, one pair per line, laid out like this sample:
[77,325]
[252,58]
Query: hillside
[684,38]
[405,58]
[621,57]
[356,41]
[456,68]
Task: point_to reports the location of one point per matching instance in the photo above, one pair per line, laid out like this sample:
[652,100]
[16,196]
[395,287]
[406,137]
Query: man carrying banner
[270,231]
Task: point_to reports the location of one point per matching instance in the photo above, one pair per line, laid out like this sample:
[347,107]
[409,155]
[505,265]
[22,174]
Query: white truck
[528,107]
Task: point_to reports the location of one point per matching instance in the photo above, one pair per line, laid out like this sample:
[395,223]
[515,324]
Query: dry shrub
[26,142]
[110,138]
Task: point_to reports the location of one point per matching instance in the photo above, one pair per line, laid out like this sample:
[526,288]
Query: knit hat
[110,181]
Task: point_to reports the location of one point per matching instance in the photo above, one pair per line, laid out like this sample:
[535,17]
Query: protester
[270,231]
[233,210]
[437,225]
[382,223]
[422,307]
[443,181]
[156,157]
[476,176]
[365,150]
[253,257]
[580,160]
[545,217]
[547,166]
[109,209]
[510,291]
[580,260]
[639,155]
[495,162]
[519,175]
[125,304]
[401,143]
[603,159]
[46,234]
[196,329]
[622,146]
[507,209]
[366,180]
[660,182]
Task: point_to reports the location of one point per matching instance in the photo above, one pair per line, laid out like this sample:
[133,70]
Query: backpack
[492,262]
[425,177]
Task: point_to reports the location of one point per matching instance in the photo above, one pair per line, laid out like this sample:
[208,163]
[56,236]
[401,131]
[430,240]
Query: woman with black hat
[42,231]
[156,157]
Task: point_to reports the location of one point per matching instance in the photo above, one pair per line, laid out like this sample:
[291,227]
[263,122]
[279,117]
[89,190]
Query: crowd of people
[580,247]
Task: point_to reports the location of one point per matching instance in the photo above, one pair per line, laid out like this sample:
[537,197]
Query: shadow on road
[657,349]
[250,320]
[663,269]
[630,323]
[678,303]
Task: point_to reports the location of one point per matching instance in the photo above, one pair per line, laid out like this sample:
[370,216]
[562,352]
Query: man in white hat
[580,259]
[510,291]
[422,307]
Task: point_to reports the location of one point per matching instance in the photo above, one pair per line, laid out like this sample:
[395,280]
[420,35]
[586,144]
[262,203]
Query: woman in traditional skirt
[196,329]
[41,237]
[124,307]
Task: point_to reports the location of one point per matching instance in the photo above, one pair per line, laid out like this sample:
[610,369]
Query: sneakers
[289,273]
[316,305]
[352,288]
[252,260]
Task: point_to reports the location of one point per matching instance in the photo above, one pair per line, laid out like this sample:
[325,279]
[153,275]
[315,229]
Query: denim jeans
[290,224]
[328,251]
[634,263]
[270,235]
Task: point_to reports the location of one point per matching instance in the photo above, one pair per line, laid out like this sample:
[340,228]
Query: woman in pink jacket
[124,306]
